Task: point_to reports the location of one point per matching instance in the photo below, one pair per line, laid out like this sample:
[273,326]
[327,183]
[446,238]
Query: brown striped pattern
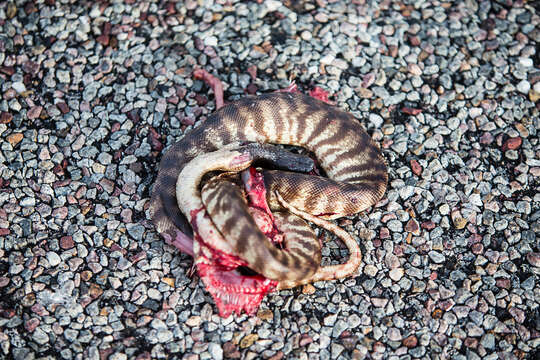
[355,167]
[302,256]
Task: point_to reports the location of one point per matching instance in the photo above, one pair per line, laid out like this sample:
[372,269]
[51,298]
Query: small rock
[248,340]
[215,351]
[512,144]
[412,227]
[14,138]
[396,274]
[394,334]
[34,112]
[40,336]
[488,341]
[459,222]
[436,256]
[523,86]
[416,167]
[534,259]
[517,314]
[18,87]
[230,351]
[5,117]
[410,342]
[53,258]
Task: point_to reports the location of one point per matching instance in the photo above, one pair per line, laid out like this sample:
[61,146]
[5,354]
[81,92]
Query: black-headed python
[223,236]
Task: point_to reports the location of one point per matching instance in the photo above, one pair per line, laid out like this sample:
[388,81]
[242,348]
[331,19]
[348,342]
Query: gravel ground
[91,95]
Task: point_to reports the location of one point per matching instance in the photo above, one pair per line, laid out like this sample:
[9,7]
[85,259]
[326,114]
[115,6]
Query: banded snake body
[225,236]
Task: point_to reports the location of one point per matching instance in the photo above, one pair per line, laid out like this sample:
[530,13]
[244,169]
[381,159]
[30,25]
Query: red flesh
[291,88]
[232,291]
[256,192]
[320,94]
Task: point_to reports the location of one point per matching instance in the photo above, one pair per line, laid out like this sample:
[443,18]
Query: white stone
[211,41]
[53,258]
[523,86]
[527,62]
[18,87]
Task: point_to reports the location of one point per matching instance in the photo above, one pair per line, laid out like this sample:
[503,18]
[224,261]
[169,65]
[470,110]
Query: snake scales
[224,230]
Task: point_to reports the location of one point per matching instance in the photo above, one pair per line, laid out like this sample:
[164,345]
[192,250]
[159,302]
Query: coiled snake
[225,236]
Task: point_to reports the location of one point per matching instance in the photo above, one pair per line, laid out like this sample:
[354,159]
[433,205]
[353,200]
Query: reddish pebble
[4,231]
[348,340]
[34,112]
[7,313]
[410,111]
[252,71]
[416,167]
[107,26]
[198,43]
[305,339]
[63,107]
[173,100]
[60,213]
[446,305]
[534,259]
[103,40]
[5,117]
[170,7]
[410,341]
[368,80]
[230,350]
[29,8]
[512,144]
[137,257]
[428,225]
[66,242]
[154,137]
[31,324]
[414,40]
[471,342]
[477,248]
[412,227]
[180,92]
[292,88]
[503,283]
[278,356]
[486,138]
[39,309]
[251,89]
[201,100]
[384,233]
[8,70]
[186,120]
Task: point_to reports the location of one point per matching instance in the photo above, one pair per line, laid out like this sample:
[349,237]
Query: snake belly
[356,170]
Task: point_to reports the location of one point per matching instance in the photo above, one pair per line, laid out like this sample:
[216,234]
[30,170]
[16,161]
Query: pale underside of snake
[225,236]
